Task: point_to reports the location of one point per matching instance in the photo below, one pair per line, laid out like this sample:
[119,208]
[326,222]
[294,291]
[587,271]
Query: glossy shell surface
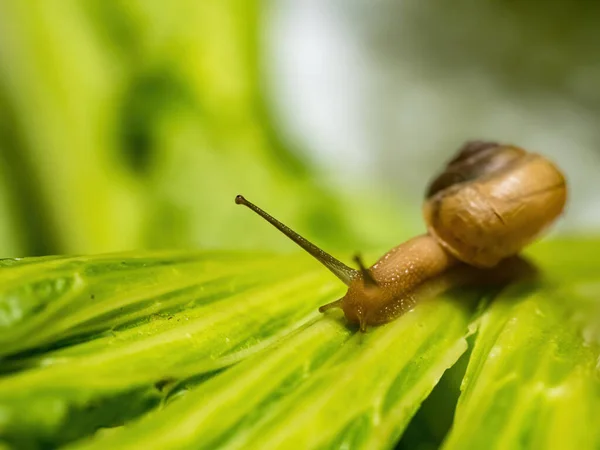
[491,201]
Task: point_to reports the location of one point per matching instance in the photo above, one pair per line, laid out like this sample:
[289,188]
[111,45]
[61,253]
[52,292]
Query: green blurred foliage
[132,124]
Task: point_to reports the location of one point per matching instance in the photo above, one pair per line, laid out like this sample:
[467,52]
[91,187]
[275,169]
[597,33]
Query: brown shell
[492,200]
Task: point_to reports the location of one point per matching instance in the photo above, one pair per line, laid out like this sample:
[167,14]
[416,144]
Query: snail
[489,202]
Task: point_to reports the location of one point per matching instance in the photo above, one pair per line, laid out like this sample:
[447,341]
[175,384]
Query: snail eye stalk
[338,268]
[367,276]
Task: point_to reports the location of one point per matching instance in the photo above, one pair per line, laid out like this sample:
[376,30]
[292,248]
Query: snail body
[488,203]
[387,289]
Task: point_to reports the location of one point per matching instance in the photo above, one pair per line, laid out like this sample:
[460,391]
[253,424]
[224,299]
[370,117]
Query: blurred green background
[133,124]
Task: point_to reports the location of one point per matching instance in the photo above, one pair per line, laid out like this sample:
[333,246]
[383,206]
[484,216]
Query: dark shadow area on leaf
[84,419]
[433,420]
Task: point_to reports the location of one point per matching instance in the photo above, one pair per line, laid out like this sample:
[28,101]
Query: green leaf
[99,349]
[211,310]
[533,376]
[227,350]
[323,387]
[45,300]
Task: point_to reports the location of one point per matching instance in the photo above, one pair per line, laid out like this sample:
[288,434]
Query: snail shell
[491,201]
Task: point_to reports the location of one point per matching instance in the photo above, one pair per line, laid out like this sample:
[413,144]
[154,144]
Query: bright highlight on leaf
[227,350]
